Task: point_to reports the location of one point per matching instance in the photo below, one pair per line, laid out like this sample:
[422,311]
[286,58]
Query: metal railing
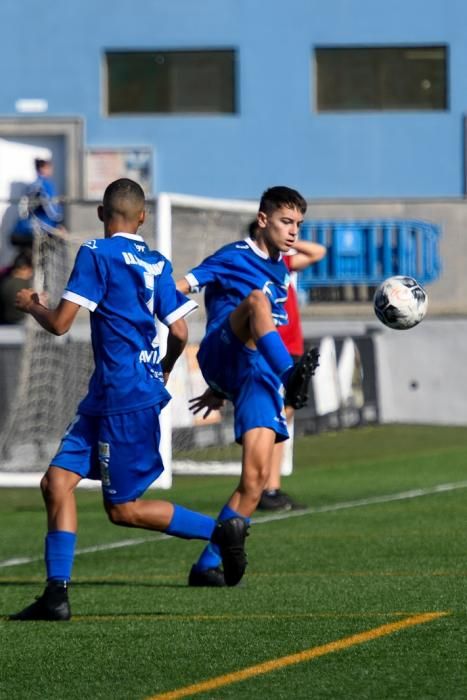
[367,252]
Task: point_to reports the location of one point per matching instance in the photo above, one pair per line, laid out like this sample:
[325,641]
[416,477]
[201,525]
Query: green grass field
[361,596]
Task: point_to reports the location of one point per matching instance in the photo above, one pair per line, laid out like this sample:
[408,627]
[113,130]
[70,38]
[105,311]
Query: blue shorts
[121,450]
[244,377]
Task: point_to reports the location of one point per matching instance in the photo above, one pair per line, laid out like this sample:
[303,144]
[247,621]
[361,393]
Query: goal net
[54,371]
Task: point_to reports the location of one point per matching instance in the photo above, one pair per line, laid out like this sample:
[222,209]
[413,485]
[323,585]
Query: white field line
[343,505]
[371,500]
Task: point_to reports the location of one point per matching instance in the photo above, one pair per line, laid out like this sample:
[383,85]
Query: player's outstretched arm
[210,401]
[176,341]
[57,321]
[307,253]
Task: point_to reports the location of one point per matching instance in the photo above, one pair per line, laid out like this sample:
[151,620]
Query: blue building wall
[55,51]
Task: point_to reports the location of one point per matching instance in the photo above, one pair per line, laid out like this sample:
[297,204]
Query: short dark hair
[23,259]
[252,228]
[124,197]
[40,162]
[281,196]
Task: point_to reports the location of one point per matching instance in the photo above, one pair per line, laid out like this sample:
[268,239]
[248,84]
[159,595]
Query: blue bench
[367,252]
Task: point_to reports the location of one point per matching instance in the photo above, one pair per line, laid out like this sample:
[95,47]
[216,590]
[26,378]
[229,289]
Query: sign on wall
[103,165]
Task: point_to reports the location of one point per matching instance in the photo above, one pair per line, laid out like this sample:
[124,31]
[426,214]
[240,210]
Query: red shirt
[292,333]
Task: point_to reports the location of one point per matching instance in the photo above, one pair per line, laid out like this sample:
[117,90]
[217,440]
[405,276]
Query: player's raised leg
[253,324]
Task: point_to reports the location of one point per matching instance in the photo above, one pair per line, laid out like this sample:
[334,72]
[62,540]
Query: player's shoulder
[93,244]
[116,245]
[235,247]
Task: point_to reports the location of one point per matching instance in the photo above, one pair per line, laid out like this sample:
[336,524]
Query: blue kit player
[115,434]
[243,359]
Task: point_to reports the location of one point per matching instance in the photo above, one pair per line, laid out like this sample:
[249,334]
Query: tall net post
[164,246]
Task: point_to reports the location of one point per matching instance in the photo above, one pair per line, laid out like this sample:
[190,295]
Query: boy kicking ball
[243,359]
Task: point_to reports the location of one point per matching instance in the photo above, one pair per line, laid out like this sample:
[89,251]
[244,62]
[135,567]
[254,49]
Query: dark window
[398,78]
[142,82]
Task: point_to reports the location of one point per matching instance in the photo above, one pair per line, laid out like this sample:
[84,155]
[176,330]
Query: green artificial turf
[348,565]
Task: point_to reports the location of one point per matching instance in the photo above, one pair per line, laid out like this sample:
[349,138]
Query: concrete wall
[422,374]
[448,295]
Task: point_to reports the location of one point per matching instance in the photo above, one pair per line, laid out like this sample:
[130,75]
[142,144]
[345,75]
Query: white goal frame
[164,242]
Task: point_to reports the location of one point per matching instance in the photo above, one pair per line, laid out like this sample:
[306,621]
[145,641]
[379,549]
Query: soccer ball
[400,302]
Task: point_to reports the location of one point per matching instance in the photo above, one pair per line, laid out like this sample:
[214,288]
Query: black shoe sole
[36,612]
[230,536]
[51,606]
[296,394]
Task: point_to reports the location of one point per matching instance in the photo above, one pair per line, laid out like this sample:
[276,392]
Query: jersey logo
[140,248]
[150,272]
[243,247]
[153,268]
[274,291]
[149,356]
[91,244]
[271,290]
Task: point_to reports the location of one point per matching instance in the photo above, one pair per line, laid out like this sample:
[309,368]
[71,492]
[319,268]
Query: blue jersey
[43,197]
[126,286]
[234,271]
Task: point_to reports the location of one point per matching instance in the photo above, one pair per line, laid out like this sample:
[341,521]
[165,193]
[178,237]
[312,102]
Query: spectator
[40,207]
[18,277]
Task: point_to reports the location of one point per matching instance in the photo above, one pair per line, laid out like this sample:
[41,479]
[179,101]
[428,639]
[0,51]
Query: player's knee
[120,513]
[255,482]
[258,302]
[54,487]
[44,486]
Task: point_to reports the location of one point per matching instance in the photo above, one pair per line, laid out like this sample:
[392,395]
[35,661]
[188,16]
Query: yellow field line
[300,657]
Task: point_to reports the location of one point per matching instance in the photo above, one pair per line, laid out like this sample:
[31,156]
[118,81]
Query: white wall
[422,373]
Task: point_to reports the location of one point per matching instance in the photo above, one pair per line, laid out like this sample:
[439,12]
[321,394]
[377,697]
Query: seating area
[367,252]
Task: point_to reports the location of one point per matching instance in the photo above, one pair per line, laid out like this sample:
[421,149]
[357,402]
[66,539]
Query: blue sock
[210,556]
[227,512]
[59,554]
[276,354]
[190,525]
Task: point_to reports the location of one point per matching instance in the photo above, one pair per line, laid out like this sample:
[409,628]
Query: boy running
[243,359]
[115,434]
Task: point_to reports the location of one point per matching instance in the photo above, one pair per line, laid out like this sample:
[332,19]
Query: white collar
[258,251]
[131,236]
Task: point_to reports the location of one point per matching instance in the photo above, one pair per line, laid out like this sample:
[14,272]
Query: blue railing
[367,252]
